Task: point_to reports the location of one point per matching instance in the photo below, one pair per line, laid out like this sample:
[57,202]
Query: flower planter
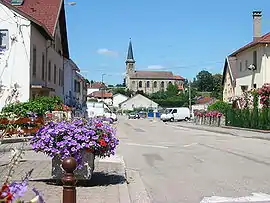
[85,173]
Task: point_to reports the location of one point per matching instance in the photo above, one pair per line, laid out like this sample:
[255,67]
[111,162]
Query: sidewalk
[223,130]
[108,184]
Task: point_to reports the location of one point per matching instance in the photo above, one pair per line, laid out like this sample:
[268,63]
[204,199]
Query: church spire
[130,57]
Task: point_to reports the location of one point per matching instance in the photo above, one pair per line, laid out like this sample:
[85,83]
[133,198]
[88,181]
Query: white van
[176,114]
[95,109]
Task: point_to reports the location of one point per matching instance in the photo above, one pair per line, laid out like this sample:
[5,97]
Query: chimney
[257,25]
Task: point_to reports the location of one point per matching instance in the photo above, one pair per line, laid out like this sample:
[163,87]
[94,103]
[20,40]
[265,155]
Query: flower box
[84,173]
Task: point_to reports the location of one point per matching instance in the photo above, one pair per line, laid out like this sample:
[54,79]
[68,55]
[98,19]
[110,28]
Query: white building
[33,46]
[248,67]
[118,98]
[70,72]
[138,101]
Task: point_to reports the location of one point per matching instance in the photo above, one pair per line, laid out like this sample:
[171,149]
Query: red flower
[9,197]
[4,187]
[99,125]
[102,143]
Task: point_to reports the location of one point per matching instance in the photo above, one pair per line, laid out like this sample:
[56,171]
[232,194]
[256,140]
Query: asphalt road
[184,165]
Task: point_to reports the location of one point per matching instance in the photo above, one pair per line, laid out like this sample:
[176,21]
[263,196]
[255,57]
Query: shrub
[219,106]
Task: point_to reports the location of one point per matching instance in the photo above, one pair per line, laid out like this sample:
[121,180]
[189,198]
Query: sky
[184,37]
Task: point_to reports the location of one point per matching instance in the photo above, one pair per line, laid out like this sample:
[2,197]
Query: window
[155,84]
[174,111]
[170,83]
[255,59]
[4,39]
[240,66]
[246,64]
[50,71]
[54,74]
[147,84]
[254,86]
[162,84]
[34,61]
[140,84]
[59,77]
[43,67]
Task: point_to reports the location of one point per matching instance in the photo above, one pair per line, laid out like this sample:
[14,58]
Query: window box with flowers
[79,138]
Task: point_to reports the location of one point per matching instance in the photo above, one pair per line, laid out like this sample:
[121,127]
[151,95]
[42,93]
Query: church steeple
[130,57]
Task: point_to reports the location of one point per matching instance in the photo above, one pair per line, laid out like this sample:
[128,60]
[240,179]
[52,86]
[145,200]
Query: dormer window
[17,2]
[4,39]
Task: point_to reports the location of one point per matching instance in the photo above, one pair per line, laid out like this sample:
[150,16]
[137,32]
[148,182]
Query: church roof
[130,56]
[155,75]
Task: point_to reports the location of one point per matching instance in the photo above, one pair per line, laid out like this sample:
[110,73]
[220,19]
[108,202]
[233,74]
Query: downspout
[265,62]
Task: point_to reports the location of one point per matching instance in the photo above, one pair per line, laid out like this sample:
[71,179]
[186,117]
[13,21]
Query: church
[148,81]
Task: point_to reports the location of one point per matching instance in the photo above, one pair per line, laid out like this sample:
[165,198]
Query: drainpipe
[265,62]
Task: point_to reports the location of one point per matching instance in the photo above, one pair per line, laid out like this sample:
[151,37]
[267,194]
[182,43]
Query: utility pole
[102,90]
[189,94]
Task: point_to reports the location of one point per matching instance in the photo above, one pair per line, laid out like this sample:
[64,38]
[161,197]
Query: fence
[249,118]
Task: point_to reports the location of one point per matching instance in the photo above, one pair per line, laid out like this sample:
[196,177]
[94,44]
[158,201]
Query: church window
[162,84]
[170,83]
[140,84]
[148,84]
[155,84]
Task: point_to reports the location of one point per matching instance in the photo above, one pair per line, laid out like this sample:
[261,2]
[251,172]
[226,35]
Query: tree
[217,86]
[172,90]
[123,91]
[205,82]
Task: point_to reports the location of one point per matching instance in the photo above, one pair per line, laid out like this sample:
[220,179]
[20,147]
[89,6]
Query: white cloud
[108,52]
[155,67]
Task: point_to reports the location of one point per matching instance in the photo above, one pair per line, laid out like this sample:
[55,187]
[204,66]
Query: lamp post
[102,86]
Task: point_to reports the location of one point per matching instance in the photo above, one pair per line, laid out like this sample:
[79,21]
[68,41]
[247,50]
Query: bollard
[69,181]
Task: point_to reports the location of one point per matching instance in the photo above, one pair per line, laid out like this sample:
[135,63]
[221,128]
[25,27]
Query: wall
[138,101]
[51,55]
[118,98]
[228,89]
[91,90]
[14,62]
[69,72]
[134,85]
[247,77]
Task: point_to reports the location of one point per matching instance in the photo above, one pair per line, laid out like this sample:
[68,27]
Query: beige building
[148,81]
[248,67]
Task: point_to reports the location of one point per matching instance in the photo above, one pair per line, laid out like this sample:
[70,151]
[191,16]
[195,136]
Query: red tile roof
[265,39]
[44,11]
[97,85]
[205,100]
[154,75]
[100,94]
[178,77]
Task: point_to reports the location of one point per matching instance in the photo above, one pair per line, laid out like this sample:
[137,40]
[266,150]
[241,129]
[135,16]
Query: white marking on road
[145,145]
[256,197]
[189,145]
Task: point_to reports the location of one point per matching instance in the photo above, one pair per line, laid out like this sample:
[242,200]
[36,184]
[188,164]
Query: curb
[137,190]
[124,196]
[264,137]
[246,129]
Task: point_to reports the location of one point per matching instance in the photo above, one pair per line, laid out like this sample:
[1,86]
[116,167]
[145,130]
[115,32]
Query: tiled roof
[262,40]
[100,94]
[44,11]
[97,85]
[205,100]
[154,75]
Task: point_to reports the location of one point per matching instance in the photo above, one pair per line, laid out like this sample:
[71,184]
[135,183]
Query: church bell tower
[130,62]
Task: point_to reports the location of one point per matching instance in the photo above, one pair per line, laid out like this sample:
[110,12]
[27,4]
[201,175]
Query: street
[178,164]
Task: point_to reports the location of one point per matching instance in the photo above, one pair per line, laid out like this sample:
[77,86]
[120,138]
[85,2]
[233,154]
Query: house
[118,98]
[95,86]
[202,103]
[138,101]
[248,67]
[148,81]
[106,97]
[80,87]
[33,47]
[70,72]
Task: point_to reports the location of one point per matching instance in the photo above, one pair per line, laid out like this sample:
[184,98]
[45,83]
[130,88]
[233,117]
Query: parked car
[133,115]
[176,114]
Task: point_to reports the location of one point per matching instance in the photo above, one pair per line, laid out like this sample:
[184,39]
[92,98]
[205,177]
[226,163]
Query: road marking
[256,197]
[145,145]
[189,145]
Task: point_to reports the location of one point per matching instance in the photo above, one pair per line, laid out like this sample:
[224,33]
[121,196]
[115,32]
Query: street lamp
[72,3]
